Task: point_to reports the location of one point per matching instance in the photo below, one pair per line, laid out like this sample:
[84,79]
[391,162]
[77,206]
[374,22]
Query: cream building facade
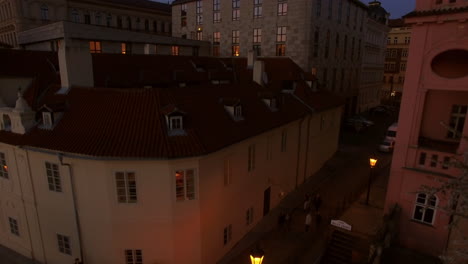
[139,15]
[150,180]
[323,37]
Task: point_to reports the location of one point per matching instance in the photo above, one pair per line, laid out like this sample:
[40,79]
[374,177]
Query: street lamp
[256,256]
[372,162]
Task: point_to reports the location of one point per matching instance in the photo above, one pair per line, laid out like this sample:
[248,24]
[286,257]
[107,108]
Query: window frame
[4,166]
[14,226]
[282,9]
[44,12]
[227,234]
[129,187]
[257,9]
[53,177]
[133,256]
[64,244]
[457,120]
[95,46]
[183,184]
[423,207]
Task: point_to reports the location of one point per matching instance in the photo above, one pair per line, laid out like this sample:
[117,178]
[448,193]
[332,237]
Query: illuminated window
[175,50]
[64,244]
[227,234]
[4,166]
[257,8]
[95,47]
[280,49]
[457,121]
[14,229]
[133,256]
[216,37]
[53,177]
[126,48]
[282,9]
[185,185]
[251,158]
[126,187]
[425,208]
[216,51]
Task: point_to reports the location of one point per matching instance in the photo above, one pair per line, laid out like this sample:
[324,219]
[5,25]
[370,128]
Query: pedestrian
[317,202]
[308,221]
[318,219]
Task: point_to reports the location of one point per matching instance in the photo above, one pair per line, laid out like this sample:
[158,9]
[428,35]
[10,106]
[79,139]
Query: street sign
[341,224]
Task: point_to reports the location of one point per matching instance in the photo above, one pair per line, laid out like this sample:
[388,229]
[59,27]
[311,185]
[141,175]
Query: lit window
[14,229]
[126,187]
[4,166]
[199,34]
[425,208]
[235,50]
[133,256]
[227,234]
[44,12]
[175,50]
[64,244]
[282,9]
[95,47]
[53,177]
[251,158]
[216,37]
[457,121]
[126,48]
[185,185]
[280,49]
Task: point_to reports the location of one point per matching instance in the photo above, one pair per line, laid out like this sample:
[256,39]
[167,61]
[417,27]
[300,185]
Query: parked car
[359,119]
[387,145]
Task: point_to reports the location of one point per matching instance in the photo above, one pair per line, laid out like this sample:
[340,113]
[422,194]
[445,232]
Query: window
[282,9]
[216,5]
[434,160]
[235,50]
[407,40]
[281,34]
[216,17]
[280,49]
[330,9]
[403,66]
[395,40]
[257,49]
[227,234]
[352,49]
[316,41]
[235,3]
[227,172]
[284,137]
[185,185]
[4,166]
[257,8]
[129,23]
[318,8]
[13,226]
[249,216]
[175,123]
[216,11]
[359,50]
[235,37]
[235,14]
[146,25]
[237,112]
[87,18]
[446,163]
[44,12]
[257,35]
[251,158]
[64,244]
[457,120]
[95,47]
[109,20]
[183,10]
[269,150]
[424,210]
[133,256]
[97,19]
[75,16]
[53,177]
[422,158]
[126,187]
[389,40]
[175,50]
[404,53]
[327,44]
[47,119]
[126,48]
[199,11]
[199,34]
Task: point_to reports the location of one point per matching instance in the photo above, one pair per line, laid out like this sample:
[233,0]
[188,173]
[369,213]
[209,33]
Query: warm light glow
[5,168]
[256,259]
[393,93]
[199,29]
[372,162]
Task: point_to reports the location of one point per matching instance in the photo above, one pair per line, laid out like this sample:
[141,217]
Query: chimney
[258,70]
[251,58]
[76,65]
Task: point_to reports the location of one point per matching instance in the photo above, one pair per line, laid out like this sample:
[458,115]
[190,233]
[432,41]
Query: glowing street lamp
[256,256]
[372,162]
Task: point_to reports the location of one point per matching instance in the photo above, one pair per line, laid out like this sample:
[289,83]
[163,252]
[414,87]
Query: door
[266,201]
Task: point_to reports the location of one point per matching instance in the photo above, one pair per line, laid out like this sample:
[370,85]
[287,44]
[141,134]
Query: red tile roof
[129,121]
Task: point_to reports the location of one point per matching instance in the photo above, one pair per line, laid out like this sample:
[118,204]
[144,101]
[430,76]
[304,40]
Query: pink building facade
[435,97]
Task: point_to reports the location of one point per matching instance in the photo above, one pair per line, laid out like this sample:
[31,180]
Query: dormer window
[6,124]
[47,119]
[175,123]
[238,111]
[271,103]
[234,108]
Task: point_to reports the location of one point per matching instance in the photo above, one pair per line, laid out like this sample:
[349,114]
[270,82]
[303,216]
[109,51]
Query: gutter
[77,217]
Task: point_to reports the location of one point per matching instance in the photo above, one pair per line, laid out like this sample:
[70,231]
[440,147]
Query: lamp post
[372,162]
[256,256]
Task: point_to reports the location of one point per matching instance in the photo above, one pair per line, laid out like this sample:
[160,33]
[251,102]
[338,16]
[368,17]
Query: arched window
[425,208]
[75,16]
[44,12]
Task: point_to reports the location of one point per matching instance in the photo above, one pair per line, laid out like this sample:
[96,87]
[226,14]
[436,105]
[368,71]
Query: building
[435,97]
[396,59]
[135,15]
[323,37]
[139,156]
[373,58]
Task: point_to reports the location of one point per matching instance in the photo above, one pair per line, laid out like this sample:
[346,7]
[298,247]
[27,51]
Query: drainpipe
[35,207]
[77,217]
[299,149]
